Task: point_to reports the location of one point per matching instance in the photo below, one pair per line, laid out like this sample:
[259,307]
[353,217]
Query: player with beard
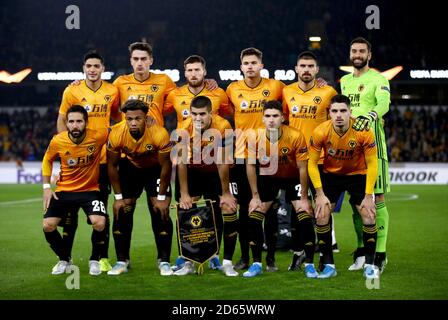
[306,107]
[100,99]
[369,93]
[180,98]
[79,149]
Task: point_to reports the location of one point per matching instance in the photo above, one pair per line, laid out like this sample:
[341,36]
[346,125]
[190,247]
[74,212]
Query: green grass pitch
[417,253]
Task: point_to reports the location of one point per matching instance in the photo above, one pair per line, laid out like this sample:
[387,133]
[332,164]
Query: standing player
[147,165]
[100,99]
[180,98]
[79,149]
[143,84]
[306,107]
[214,135]
[151,88]
[282,150]
[369,93]
[247,97]
[350,164]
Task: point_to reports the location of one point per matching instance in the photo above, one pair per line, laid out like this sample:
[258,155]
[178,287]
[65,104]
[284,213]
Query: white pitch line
[402,197]
[11,203]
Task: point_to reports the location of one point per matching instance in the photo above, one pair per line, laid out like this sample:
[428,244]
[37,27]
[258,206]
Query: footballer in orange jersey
[79,149]
[180,98]
[207,135]
[282,155]
[306,105]
[144,84]
[100,99]
[147,165]
[247,97]
[350,164]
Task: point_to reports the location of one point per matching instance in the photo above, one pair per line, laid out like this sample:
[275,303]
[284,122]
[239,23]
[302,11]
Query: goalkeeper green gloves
[365,122]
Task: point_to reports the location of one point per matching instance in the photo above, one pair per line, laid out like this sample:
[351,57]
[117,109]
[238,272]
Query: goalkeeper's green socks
[382,222]
[357,223]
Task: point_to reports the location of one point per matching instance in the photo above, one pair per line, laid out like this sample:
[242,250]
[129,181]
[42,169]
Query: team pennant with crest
[197,235]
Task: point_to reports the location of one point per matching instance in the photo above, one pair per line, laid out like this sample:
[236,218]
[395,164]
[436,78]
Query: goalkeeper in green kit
[369,93]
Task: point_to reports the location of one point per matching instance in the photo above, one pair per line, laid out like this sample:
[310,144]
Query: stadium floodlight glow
[315,39]
[17,77]
[406,96]
[389,74]
[64,76]
[429,74]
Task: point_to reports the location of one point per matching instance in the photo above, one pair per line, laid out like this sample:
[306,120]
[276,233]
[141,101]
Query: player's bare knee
[366,218]
[49,225]
[225,209]
[324,218]
[98,223]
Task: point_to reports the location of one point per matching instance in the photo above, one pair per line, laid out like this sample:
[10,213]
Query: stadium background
[34,35]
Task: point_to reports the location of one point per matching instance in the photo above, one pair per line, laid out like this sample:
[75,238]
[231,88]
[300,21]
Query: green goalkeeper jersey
[369,92]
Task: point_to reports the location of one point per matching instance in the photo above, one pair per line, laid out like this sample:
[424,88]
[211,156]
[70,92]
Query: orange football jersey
[248,107]
[343,154]
[283,155]
[144,152]
[248,102]
[219,134]
[305,110]
[79,162]
[100,104]
[153,91]
[180,100]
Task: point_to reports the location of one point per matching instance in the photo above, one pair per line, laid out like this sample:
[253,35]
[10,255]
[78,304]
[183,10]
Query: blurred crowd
[25,133]
[417,134]
[414,134]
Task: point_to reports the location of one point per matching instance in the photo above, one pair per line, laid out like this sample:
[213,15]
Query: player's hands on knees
[368,205]
[211,84]
[185,202]
[255,204]
[227,199]
[163,207]
[322,205]
[118,204]
[305,205]
[48,194]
